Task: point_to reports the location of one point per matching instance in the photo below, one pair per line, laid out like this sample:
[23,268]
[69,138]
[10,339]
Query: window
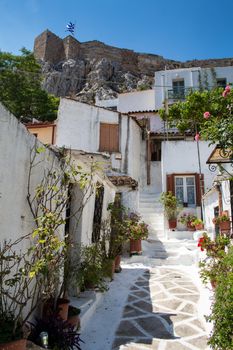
[221,82]
[109,137]
[185,189]
[178,89]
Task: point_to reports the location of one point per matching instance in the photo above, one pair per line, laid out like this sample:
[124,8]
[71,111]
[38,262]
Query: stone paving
[161,313]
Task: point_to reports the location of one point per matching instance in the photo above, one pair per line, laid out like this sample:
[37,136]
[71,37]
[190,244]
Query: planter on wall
[135,246]
[19,344]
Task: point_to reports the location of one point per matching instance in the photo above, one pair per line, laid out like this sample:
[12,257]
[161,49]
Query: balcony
[179,94]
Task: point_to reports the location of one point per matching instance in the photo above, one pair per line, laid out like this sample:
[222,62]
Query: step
[151,215]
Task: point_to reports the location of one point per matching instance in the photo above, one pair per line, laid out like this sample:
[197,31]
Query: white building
[219,198]
[176,84]
[112,139]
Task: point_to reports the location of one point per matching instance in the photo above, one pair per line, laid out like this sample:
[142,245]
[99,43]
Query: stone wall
[49,47]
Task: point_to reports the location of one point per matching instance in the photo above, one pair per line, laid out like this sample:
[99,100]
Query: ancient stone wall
[49,47]
[72,48]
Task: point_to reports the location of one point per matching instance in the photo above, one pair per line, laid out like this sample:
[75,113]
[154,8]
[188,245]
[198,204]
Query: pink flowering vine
[226,91]
[206,115]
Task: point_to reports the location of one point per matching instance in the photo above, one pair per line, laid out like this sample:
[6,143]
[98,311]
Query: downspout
[148,153]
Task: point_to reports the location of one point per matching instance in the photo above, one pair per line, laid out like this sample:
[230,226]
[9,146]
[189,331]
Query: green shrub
[90,273]
[222,307]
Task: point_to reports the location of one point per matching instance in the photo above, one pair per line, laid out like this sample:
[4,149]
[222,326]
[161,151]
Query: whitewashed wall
[136,101]
[15,144]
[181,157]
[210,202]
[155,174]
[226,196]
[81,227]
[78,128]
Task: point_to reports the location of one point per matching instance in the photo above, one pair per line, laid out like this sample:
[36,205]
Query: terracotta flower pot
[135,246]
[172,223]
[63,307]
[190,227]
[19,344]
[118,264]
[225,226]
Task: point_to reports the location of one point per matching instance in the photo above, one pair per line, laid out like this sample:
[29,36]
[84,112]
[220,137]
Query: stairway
[151,211]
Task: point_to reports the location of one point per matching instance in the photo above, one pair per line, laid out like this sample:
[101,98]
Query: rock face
[93,69]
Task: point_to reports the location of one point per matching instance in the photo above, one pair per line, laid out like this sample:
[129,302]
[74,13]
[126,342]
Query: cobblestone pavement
[161,313]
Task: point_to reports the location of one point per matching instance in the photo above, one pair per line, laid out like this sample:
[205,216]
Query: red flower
[199,244]
[197,137]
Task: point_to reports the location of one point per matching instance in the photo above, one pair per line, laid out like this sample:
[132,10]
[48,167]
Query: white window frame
[184,177]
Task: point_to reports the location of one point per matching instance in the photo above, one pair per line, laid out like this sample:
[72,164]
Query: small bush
[222,308]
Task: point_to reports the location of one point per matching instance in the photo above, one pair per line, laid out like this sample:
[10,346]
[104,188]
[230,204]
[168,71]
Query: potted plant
[118,231]
[223,221]
[90,272]
[170,204]
[11,334]
[61,335]
[137,230]
[211,266]
[187,219]
[15,294]
[198,224]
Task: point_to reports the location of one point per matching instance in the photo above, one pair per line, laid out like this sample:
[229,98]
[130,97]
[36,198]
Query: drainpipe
[148,157]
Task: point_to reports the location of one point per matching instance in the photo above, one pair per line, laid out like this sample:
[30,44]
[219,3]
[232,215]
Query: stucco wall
[45,134]
[181,157]
[78,128]
[136,101]
[210,202]
[81,224]
[16,143]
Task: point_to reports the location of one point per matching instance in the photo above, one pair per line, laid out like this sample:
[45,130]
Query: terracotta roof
[40,125]
[123,180]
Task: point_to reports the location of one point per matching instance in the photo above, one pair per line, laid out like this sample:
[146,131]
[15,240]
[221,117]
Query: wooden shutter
[199,180]
[109,137]
[171,183]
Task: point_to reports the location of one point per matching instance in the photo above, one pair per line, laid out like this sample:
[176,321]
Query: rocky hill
[94,69]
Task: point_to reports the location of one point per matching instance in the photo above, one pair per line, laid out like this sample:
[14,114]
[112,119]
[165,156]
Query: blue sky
[176,29]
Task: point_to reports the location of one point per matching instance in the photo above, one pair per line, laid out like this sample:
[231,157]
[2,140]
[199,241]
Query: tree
[208,113]
[20,87]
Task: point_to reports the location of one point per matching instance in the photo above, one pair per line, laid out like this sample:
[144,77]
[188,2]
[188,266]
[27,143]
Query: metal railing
[180,93]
